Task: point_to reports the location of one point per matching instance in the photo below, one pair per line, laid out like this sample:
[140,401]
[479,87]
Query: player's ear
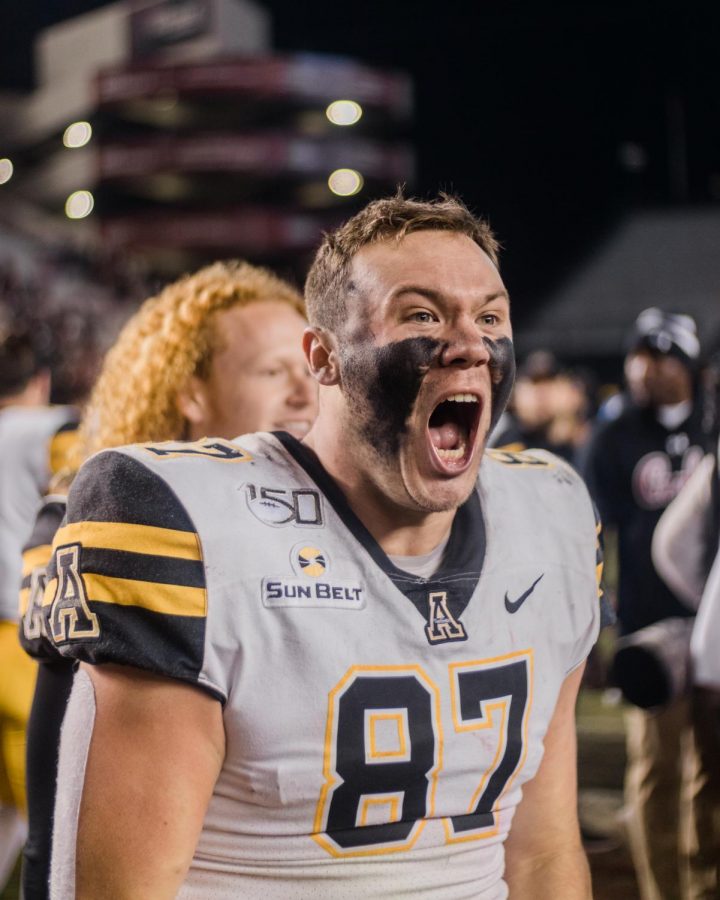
[319,347]
[192,401]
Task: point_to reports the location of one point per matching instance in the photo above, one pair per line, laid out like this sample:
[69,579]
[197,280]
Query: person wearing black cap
[636,464]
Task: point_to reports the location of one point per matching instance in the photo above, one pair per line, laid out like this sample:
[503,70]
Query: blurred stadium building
[164,134]
[651,257]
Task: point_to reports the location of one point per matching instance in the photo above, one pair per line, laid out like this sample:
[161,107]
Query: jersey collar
[464,555]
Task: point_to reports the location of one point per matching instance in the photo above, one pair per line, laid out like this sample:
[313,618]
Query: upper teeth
[463,398]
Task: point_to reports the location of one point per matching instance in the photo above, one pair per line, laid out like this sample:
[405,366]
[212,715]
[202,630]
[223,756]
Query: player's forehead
[262,327]
[439,263]
[252,321]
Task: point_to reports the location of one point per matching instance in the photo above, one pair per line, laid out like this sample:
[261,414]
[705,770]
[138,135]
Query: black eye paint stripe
[387,380]
[464,555]
[502,369]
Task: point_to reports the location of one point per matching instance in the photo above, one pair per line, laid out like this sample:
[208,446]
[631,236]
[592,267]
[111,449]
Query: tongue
[445,437]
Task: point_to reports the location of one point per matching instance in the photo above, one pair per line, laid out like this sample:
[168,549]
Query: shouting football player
[343,667]
[219,353]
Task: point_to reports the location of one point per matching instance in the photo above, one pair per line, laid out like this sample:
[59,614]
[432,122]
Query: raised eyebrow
[498,295]
[437,297]
[428,293]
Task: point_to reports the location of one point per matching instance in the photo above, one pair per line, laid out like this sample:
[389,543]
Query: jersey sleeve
[607,613]
[601,613]
[578,521]
[126,583]
[36,557]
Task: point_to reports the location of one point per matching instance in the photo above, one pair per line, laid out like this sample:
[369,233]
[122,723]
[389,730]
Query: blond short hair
[327,282]
[168,340]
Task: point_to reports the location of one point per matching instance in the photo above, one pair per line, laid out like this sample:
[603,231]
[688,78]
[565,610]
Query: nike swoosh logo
[512,606]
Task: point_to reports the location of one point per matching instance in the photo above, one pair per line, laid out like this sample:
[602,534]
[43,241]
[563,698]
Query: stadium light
[344,112]
[77,135]
[79,204]
[345,182]
[6,170]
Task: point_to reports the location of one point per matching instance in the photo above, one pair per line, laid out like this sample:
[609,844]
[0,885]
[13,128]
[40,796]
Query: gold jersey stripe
[169,599]
[60,449]
[24,600]
[516,447]
[34,557]
[133,538]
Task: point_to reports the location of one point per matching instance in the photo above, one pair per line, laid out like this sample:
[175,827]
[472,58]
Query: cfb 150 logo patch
[282,506]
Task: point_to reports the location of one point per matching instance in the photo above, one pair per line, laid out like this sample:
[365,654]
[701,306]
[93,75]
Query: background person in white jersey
[332,669]
[32,444]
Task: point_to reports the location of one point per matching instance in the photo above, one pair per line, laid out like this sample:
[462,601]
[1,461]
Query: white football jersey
[379,725]
[33,444]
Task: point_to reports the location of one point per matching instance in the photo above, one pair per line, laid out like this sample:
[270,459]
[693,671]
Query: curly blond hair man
[215,353]
[179,367]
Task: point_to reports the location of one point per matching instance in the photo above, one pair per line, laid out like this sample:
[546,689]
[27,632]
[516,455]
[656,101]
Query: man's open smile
[452,431]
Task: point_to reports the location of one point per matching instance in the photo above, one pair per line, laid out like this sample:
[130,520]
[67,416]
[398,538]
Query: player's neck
[415,535]
[398,528]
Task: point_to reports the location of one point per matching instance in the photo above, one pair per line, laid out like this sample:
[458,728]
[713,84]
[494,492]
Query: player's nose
[464,346]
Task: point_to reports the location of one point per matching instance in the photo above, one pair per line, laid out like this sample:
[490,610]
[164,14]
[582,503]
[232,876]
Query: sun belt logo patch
[310,586]
[311,561]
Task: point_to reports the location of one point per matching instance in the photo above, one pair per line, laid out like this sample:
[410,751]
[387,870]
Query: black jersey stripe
[169,645]
[141,567]
[113,487]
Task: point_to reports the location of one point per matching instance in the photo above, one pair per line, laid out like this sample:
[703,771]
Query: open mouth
[452,428]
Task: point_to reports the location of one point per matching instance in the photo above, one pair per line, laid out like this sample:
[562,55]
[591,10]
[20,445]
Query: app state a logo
[442,627]
[33,624]
[71,619]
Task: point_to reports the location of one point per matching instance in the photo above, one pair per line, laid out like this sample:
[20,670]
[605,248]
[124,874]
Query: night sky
[552,119]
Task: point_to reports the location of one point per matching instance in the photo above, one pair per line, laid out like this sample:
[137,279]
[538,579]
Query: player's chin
[438,482]
[433,493]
